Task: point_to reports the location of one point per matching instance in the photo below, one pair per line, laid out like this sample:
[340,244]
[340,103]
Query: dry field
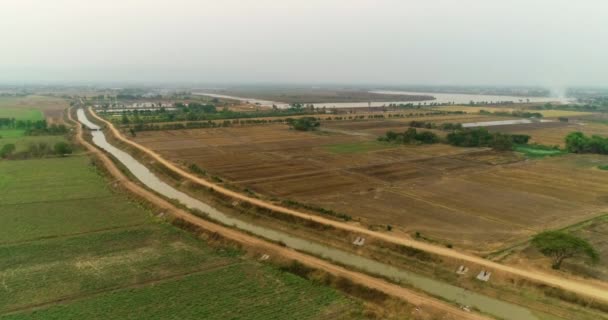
[471,198]
[554,133]
[51,107]
[545,113]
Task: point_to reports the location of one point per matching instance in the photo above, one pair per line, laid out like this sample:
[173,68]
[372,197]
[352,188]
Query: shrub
[7,150]
[62,148]
[304,124]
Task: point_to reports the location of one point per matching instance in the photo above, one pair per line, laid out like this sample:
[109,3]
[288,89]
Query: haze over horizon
[438,42]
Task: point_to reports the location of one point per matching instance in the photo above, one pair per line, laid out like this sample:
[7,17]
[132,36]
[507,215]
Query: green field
[235,291]
[49,197]
[72,248]
[23,108]
[22,142]
[31,114]
[19,114]
[538,151]
[358,147]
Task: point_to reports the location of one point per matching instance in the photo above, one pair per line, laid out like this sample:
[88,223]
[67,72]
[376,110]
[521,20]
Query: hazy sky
[533,42]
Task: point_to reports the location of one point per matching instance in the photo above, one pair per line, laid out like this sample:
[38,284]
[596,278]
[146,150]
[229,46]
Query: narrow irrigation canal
[491,306]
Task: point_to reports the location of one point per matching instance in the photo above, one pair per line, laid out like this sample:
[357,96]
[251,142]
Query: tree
[560,245]
[502,142]
[304,124]
[7,150]
[62,148]
[427,137]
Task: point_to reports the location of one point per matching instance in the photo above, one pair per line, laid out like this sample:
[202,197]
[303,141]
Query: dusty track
[250,241]
[566,284]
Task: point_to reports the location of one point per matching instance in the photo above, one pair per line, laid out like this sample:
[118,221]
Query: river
[495,307]
[456,98]
[502,123]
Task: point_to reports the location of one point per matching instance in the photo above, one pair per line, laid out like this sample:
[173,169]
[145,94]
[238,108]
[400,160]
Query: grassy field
[21,113]
[72,248]
[533,151]
[31,108]
[358,147]
[236,291]
[50,197]
[22,142]
[545,113]
[51,107]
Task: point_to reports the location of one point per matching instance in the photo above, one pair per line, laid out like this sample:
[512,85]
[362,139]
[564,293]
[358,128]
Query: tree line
[143,126]
[410,136]
[35,150]
[447,126]
[481,137]
[33,128]
[467,137]
[515,113]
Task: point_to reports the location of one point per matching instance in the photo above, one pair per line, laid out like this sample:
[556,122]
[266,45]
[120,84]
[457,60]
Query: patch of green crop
[538,151]
[21,113]
[22,142]
[240,291]
[358,147]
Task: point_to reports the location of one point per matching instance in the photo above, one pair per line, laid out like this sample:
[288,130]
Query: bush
[62,148]
[7,150]
[410,136]
[304,124]
[578,142]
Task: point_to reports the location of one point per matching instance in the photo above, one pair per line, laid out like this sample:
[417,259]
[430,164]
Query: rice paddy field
[73,248]
[472,198]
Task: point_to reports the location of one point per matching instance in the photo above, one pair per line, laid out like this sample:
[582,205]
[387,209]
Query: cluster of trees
[195,107]
[35,150]
[202,112]
[448,126]
[481,137]
[472,103]
[37,127]
[410,136]
[578,142]
[516,113]
[52,130]
[304,123]
[475,137]
[430,113]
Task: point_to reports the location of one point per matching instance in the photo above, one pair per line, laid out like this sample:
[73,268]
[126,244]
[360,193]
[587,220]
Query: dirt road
[411,297]
[578,287]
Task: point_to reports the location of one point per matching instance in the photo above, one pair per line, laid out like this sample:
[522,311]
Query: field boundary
[578,287]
